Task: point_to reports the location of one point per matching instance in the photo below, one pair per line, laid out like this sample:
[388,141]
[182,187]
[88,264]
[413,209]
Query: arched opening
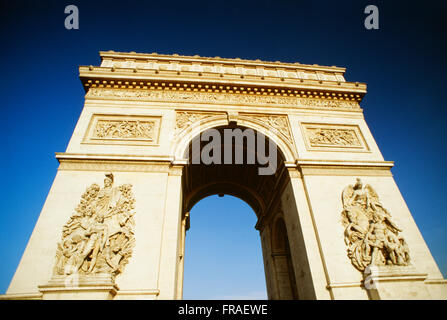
[234,167]
[262,192]
[223,254]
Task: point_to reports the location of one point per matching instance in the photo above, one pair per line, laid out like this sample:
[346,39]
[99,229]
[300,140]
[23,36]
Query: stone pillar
[171,236]
[310,273]
[272,290]
[181,256]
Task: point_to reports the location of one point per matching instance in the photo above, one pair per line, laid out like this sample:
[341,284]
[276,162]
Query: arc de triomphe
[332,222]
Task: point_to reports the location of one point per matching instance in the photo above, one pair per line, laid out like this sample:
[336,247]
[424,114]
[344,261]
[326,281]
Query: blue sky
[223,255]
[403,64]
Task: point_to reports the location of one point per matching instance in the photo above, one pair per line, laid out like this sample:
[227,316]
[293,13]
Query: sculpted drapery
[99,237]
[370,234]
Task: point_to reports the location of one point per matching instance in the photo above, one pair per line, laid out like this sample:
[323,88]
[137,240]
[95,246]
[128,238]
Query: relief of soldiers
[98,236]
[371,235]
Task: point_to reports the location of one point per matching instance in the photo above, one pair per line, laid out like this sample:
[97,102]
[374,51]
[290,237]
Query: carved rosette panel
[99,237]
[370,233]
[331,136]
[120,129]
[221,98]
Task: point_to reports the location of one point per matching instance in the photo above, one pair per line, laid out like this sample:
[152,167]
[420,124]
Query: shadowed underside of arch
[239,180]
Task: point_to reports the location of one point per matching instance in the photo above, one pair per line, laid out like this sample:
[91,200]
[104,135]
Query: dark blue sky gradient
[403,64]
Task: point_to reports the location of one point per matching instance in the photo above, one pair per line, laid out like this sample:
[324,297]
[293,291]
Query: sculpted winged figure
[98,237]
[370,233]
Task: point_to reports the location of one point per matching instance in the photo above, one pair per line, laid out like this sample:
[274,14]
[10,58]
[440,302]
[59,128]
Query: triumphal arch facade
[332,222]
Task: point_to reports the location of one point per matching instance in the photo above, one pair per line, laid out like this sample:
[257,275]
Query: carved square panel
[123,129]
[333,137]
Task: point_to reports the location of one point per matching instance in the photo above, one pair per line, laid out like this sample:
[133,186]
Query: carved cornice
[61,156]
[107,163]
[118,166]
[358,163]
[118,65]
[344,168]
[133,57]
[219,81]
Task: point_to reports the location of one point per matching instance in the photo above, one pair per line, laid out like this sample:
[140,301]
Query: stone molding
[344,168]
[196,63]
[22,296]
[223,95]
[122,163]
[93,287]
[137,293]
[119,65]
[119,166]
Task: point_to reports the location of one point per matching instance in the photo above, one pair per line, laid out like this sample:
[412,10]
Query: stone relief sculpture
[335,137]
[124,129]
[223,98]
[370,233]
[99,237]
[186,119]
[277,122]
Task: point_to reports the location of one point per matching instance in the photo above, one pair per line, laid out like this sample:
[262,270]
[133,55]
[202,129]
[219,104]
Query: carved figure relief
[336,137]
[99,236]
[370,233]
[333,137]
[124,129]
[223,98]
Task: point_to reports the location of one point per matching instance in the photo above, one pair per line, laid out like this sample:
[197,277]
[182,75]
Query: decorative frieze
[328,103]
[124,129]
[239,96]
[333,137]
[117,129]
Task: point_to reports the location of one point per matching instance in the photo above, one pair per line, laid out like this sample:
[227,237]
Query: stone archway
[261,192]
[333,193]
